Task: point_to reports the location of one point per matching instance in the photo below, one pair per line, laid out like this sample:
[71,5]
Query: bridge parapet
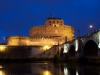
[84,42]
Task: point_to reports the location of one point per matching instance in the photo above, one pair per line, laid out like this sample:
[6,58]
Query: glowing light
[65,71]
[47,73]
[76,72]
[91,26]
[76,48]
[2,48]
[65,48]
[1,72]
[46,47]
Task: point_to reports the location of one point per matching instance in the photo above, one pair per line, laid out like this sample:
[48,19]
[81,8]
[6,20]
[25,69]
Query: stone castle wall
[27,41]
[17,40]
[52,32]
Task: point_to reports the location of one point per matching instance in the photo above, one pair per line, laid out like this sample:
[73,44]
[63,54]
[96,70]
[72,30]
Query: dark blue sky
[24,14]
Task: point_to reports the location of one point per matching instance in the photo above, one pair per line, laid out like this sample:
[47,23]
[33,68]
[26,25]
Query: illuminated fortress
[54,31]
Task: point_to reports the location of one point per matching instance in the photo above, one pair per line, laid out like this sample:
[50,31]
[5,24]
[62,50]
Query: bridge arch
[87,39]
[90,48]
[71,51]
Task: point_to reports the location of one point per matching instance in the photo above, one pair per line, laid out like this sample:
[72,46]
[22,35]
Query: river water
[48,69]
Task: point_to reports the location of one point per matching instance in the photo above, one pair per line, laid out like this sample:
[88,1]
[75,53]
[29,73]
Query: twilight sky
[24,14]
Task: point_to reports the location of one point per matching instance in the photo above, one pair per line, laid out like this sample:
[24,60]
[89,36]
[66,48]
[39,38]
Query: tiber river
[48,69]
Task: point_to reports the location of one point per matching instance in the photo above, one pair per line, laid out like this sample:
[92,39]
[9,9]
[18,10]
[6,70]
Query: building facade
[53,32]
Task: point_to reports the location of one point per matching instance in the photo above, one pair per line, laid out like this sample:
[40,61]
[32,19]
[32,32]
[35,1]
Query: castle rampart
[52,32]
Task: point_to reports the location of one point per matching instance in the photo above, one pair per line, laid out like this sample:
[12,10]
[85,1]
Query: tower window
[54,25]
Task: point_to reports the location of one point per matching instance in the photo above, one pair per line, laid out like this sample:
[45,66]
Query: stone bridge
[84,46]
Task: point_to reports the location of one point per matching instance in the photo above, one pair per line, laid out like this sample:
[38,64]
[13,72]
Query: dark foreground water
[48,69]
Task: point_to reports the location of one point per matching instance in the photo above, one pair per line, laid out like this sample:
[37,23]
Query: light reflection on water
[2,72]
[65,71]
[47,69]
[46,73]
[76,72]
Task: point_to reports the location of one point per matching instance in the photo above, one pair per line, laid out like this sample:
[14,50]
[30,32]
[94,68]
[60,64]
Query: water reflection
[47,69]
[46,73]
[1,72]
[76,72]
[65,71]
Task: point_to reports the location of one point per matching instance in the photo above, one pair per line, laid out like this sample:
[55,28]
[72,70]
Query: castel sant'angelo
[54,31]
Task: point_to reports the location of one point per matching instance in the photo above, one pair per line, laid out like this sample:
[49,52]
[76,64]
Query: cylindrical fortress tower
[53,28]
[53,32]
